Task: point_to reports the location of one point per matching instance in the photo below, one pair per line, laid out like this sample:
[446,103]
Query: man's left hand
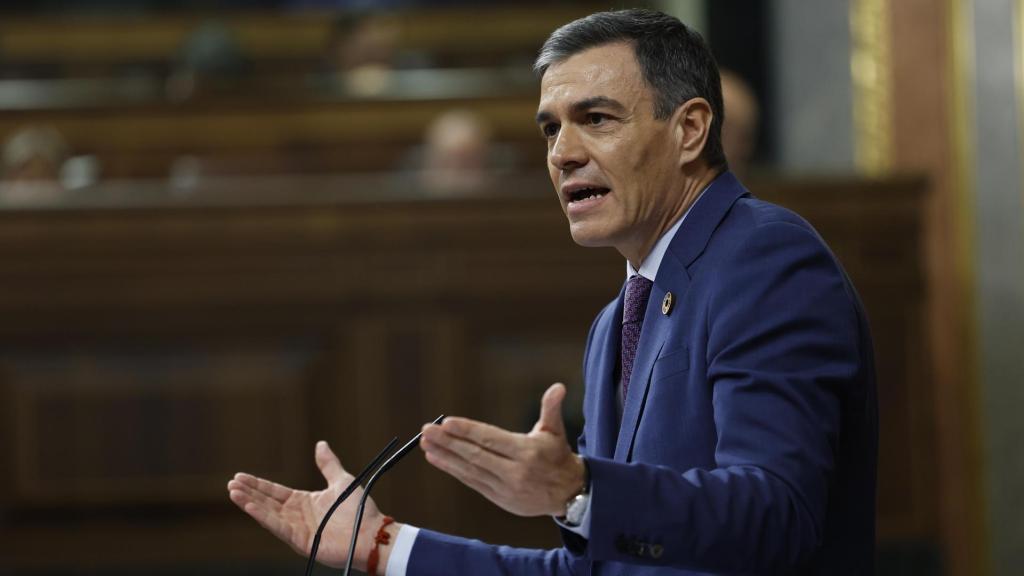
[531,474]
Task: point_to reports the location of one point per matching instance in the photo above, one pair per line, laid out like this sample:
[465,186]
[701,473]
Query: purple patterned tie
[638,290]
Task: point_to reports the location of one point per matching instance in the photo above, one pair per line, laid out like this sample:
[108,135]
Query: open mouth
[587,194]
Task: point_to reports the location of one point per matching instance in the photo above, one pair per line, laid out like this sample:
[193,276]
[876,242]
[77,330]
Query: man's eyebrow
[597,102]
[584,105]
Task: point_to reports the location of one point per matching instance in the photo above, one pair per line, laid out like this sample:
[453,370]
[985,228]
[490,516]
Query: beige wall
[998,196]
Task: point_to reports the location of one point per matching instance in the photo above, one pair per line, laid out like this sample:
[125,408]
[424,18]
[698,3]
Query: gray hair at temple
[674,59]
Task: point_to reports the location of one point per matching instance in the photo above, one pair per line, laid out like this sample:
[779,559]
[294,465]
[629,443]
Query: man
[742,116]
[31,160]
[730,401]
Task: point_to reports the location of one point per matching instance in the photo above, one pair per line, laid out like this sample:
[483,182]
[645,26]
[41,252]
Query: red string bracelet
[382,537]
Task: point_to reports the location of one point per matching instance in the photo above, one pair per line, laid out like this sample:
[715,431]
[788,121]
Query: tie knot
[638,290]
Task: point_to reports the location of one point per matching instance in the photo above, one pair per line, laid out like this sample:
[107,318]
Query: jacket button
[622,544]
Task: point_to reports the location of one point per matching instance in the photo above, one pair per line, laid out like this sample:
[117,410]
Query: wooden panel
[929,77]
[274,36]
[248,136]
[118,424]
[232,336]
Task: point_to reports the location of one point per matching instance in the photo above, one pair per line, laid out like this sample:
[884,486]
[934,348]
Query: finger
[242,495]
[274,490]
[239,497]
[329,464]
[459,469]
[551,411]
[487,464]
[492,438]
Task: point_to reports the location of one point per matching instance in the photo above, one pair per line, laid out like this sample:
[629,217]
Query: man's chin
[588,237]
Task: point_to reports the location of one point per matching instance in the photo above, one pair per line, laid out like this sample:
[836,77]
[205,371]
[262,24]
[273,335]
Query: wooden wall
[148,353]
[290,135]
[273,42]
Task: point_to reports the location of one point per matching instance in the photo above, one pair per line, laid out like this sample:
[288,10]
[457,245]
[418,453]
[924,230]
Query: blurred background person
[457,153]
[33,158]
[209,58]
[742,118]
[459,156]
[362,50]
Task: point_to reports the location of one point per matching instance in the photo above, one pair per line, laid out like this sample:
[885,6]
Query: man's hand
[294,515]
[526,474]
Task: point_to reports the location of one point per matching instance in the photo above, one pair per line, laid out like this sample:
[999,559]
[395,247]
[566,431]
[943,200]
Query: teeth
[593,195]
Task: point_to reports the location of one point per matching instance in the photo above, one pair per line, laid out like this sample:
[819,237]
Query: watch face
[574,515]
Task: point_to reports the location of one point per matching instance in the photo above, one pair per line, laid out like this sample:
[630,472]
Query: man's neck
[691,191]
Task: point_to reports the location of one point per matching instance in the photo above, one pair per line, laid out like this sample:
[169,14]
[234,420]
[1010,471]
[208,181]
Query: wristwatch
[577,505]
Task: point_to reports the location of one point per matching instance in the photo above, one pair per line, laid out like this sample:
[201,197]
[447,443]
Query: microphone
[373,479]
[341,498]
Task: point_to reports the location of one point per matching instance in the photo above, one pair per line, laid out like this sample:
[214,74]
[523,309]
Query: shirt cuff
[584,527]
[399,559]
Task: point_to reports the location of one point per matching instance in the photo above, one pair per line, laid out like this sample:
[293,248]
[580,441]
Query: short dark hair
[674,59]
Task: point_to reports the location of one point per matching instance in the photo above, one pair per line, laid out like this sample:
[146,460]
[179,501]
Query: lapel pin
[666,304]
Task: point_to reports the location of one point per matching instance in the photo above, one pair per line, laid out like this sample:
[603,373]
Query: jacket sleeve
[782,349]
[436,554]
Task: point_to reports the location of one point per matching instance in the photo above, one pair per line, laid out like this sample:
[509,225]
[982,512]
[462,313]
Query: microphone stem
[341,498]
[398,455]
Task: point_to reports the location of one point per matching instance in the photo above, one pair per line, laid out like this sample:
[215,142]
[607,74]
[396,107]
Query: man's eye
[595,119]
[549,130]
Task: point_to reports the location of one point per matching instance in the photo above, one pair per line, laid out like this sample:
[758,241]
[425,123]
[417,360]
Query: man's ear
[691,124]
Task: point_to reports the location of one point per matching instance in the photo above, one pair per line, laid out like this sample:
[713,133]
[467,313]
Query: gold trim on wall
[963,130]
[871,73]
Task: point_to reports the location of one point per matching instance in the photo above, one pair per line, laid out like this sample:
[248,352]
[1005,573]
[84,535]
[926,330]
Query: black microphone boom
[369,484]
[341,498]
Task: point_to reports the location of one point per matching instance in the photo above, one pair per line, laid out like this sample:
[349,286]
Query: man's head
[675,61]
[739,134]
[631,107]
[33,154]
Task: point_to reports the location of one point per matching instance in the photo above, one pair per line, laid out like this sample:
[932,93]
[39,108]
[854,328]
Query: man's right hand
[294,515]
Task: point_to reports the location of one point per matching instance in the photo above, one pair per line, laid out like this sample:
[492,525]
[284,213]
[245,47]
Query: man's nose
[568,151]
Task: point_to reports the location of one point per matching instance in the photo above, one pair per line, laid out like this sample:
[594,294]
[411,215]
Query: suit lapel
[689,243]
[605,358]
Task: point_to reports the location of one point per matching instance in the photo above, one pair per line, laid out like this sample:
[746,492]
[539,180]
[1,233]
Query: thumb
[551,411]
[328,463]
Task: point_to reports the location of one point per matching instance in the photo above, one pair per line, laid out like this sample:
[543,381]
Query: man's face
[614,166]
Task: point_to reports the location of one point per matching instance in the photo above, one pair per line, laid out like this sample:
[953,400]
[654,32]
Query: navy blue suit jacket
[748,440]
